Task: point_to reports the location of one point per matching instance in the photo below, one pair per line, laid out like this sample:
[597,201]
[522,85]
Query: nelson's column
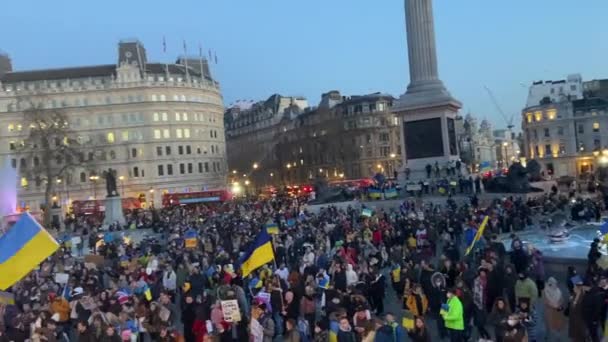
[426,110]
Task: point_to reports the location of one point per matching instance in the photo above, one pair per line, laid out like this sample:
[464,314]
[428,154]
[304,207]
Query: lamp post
[94,179]
[122,185]
[504,157]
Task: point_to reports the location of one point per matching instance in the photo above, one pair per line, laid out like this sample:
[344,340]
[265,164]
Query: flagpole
[186,62]
[200,55]
[165,56]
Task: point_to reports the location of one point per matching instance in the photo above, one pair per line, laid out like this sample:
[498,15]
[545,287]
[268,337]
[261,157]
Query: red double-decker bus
[196,197]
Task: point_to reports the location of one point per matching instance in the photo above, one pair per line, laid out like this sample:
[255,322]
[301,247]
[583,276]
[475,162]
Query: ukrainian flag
[478,235]
[272,228]
[259,254]
[374,194]
[390,193]
[22,248]
[485,166]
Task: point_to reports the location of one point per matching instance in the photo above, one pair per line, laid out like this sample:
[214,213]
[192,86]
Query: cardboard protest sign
[231,310]
[61,278]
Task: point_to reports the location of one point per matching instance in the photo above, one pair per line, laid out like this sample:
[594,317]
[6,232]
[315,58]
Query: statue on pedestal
[110,177]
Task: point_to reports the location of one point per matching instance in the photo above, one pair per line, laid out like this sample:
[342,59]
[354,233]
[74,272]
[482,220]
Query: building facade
[159,125]
[342,138]
[567,135]
[475,141]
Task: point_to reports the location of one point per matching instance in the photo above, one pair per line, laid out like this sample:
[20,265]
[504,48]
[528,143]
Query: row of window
[180,133]
[539,115]
[188,168]
[162,116]
[595,127]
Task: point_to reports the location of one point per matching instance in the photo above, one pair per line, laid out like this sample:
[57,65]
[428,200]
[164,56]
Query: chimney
[5,64]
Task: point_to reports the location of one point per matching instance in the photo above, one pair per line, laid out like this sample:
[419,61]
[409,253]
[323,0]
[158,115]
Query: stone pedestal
[113,211]
[57,218]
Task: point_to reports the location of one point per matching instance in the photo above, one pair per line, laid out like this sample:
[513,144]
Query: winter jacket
[526,289]
[453,317]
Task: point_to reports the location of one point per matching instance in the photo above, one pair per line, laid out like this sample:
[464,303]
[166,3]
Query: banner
[478,235]
[374,194]
[7,298]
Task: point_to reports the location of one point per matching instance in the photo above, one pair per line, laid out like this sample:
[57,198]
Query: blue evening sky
[308,47]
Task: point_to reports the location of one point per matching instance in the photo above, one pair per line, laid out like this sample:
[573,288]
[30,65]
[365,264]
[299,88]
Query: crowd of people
[337,275]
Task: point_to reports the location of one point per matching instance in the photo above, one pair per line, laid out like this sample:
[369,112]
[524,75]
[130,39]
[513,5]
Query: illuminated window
[186,132]
[185,116]
[155,117]
[154,97]
[551,114]
[163,98]
[157,134]
[19,127]
[178,117]
[164,116]
[596,126]
[125,135]
[538,115]
[178,133]
[529,117]
[166,133]
[110,138]
[24,182]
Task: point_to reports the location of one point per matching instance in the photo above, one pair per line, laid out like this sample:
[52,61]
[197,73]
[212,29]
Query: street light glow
[255,165]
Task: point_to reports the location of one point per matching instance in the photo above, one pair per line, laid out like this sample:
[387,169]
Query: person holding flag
[258,254]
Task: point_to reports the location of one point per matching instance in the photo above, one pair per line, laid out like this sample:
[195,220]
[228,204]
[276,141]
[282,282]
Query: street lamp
[288,165]
[122,184]
[605,152]
[255,166]
[393,155]
[94,179]
[247,182]
[234,172]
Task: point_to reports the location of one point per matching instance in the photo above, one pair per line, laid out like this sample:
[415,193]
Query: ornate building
[565,128]
[160,125]
[341,138]
[476,141]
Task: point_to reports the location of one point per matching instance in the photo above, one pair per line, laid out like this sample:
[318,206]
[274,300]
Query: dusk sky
[308,47]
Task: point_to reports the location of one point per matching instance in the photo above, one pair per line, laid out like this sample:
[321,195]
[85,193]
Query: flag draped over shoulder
[22,248]
[259,254]
[478,235]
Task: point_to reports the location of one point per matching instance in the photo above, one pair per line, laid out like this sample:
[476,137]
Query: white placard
[62,278]
[231,310]
[76,240]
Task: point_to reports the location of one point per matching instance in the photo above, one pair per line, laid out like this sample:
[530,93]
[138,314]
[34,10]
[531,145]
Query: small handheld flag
[272,228]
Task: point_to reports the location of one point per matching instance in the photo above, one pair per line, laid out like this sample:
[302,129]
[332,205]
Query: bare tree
[52,148]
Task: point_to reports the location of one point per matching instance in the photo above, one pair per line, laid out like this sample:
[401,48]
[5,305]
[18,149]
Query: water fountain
[8,192]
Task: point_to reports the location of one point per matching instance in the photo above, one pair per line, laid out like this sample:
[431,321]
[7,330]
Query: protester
[326,278]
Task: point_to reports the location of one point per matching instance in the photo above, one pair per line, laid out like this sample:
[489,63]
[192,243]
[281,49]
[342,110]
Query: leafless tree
[52,148]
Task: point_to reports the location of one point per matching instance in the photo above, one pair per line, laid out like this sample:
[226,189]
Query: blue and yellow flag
[374,193]
[390,193]
[22,248]
[479,234]
[272,228]
[485,166]
[259,254]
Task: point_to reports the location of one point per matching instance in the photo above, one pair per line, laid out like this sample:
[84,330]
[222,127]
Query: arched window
[110,137]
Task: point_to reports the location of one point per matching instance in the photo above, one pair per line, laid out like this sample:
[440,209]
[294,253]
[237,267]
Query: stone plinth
[113,211]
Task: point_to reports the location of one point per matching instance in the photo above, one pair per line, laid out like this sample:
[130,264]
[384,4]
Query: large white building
[567,134]
[160,125]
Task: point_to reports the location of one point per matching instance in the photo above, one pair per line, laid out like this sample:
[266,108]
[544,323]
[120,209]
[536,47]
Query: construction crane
[508,120]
